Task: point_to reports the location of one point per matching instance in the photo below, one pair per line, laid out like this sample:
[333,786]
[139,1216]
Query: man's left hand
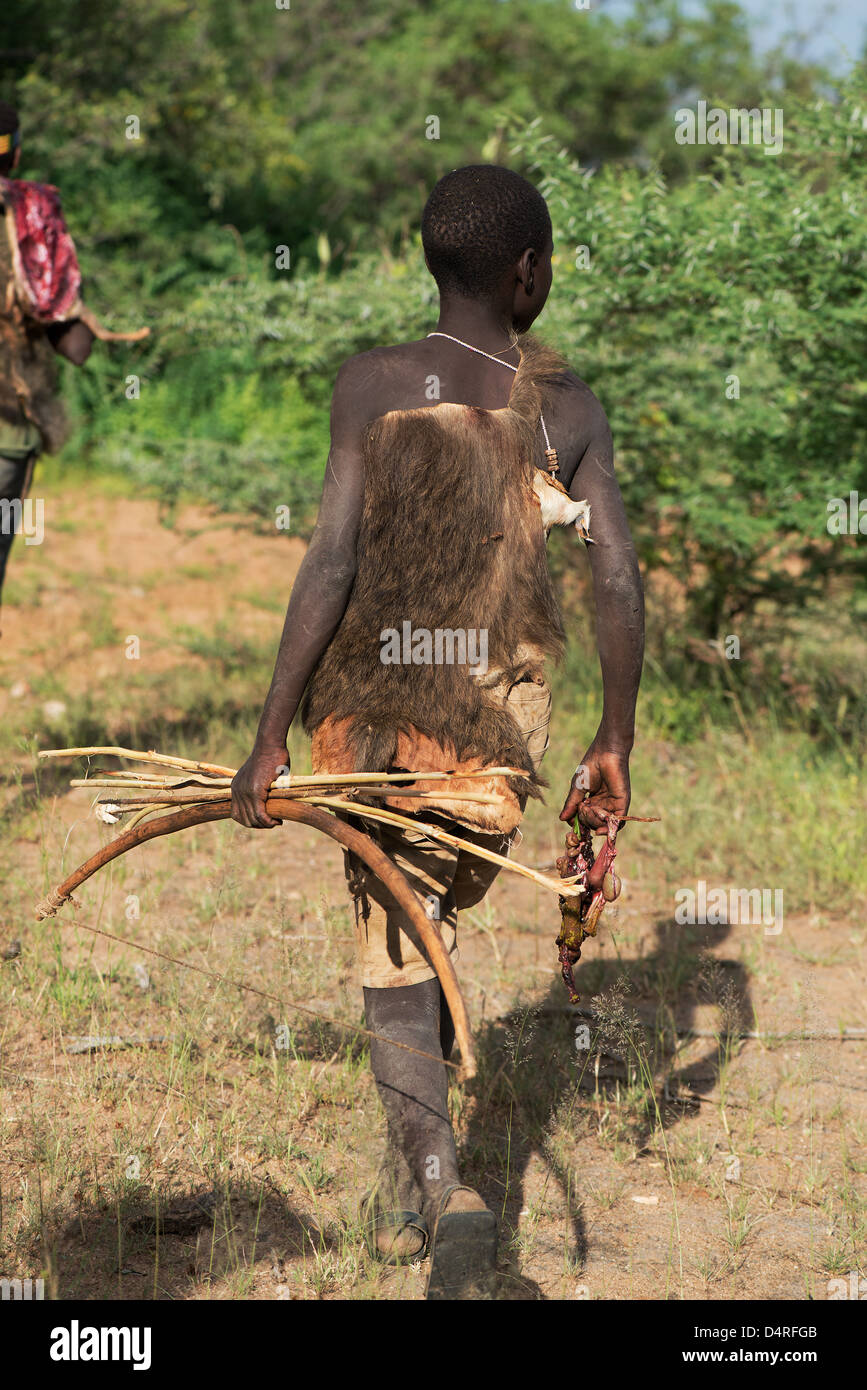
[604,773]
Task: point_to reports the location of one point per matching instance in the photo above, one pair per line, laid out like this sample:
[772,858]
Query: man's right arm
[319,597]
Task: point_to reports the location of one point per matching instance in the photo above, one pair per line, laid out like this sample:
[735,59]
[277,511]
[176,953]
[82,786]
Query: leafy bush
[723,324]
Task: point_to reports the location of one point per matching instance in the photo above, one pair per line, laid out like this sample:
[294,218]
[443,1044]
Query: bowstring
[252,989]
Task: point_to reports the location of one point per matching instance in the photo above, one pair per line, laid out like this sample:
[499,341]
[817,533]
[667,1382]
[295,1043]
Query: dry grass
[222,1151]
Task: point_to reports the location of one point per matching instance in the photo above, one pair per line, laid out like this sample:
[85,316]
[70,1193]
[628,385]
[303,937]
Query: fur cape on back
[451,540]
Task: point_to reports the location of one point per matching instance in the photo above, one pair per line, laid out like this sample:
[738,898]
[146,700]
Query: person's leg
[403,1003]
[393,967]
[413,1089]
[414,1094]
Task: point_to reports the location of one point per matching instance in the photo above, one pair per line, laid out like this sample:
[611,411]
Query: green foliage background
[306,128]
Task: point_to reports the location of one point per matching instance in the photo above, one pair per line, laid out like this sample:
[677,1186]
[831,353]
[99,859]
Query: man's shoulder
[377,361]
[369,382]
[581,403]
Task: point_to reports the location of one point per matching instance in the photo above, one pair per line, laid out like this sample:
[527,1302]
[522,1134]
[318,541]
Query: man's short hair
[8,129]
[477,222]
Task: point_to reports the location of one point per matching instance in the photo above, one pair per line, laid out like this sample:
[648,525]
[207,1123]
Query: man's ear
[528,264]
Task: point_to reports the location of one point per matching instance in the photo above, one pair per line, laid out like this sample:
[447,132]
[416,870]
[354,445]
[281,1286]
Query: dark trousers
[15,476]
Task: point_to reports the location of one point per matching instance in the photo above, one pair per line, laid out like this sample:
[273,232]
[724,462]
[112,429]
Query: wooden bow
[368,851]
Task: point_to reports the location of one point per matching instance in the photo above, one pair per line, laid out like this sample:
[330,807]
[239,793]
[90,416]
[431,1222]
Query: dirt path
[108,570]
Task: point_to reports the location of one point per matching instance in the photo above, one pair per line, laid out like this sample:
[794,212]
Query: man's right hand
[252,783]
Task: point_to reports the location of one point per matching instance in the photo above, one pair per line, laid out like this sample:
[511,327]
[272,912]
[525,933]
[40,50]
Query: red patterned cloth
[47,276]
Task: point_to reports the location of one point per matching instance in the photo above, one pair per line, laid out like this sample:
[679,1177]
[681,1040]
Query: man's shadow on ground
[172,1245]
[539,1084]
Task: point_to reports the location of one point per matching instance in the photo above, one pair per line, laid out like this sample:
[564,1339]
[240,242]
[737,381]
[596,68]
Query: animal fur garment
[451,540]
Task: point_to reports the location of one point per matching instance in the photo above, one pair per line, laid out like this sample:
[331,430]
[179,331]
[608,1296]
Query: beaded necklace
[553,464]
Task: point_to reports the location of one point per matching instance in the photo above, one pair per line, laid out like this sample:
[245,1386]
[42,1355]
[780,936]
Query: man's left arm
[619,602]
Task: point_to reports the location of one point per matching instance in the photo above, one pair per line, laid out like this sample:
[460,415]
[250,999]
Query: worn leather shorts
[447,880]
